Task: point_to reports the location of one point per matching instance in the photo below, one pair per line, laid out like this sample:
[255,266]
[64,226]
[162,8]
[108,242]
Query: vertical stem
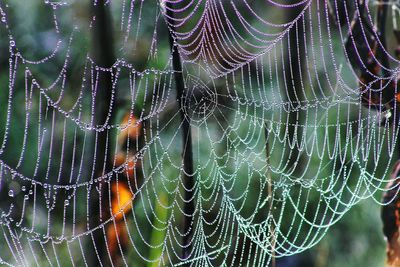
[187,152]
[103,55]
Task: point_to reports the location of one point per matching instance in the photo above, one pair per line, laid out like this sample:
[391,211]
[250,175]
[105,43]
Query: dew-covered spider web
[289,127]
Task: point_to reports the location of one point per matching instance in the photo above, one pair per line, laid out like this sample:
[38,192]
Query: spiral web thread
[279,156]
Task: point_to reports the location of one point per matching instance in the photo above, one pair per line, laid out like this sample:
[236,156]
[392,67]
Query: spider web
[281,149]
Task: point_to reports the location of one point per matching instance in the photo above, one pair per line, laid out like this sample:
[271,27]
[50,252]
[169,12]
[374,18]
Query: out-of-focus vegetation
[356,240]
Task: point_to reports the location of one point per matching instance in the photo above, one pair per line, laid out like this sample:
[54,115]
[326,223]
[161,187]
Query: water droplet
[11,193]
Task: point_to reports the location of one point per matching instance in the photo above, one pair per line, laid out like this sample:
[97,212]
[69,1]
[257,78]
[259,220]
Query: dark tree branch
[103,55]
[381,26]
[187,152]
[389,93]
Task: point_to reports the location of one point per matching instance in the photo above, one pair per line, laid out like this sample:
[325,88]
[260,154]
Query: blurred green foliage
[356,240]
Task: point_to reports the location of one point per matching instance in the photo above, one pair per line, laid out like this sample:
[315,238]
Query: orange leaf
[121,200]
